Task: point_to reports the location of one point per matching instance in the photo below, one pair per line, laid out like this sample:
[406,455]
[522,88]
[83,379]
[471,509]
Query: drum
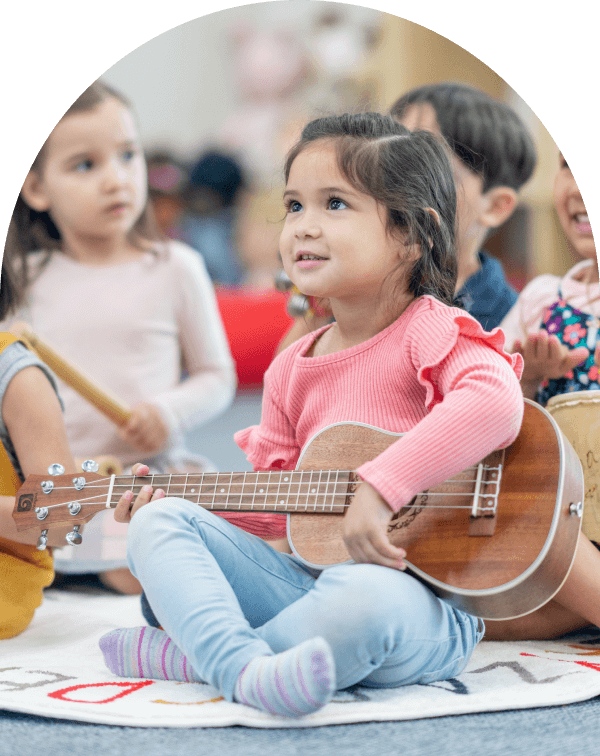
[578,416]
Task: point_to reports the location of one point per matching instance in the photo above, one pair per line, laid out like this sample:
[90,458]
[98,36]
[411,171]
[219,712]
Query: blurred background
[220,99]
[242,82]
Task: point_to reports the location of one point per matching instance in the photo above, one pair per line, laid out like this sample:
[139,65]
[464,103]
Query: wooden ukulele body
[505,575]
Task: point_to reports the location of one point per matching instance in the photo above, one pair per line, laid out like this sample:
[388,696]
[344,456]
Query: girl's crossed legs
[226,597]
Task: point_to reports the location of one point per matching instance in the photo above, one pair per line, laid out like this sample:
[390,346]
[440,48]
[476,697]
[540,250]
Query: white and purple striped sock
[145,652]
[291,684]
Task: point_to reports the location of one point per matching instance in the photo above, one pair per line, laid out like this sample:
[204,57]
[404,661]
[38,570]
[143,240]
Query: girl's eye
[335,203]
[83,166]
[294,206]
[128,155]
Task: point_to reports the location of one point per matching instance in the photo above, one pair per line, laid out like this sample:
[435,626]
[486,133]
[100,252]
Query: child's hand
[146,430]
[124,510]
[365,530]
[546,357]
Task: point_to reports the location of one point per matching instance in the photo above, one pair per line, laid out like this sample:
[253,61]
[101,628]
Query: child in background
[493,155]
[555,322]
[32,437]
[208,223]
[166,179]
[122,303]
[554,325]
[370,226]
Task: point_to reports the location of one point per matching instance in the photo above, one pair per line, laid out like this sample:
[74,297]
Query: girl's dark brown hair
[30,230]
[406,172]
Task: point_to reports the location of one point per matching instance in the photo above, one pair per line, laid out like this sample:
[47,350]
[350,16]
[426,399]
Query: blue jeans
[225,596]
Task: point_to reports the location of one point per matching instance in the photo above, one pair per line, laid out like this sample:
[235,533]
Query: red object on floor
[255,322]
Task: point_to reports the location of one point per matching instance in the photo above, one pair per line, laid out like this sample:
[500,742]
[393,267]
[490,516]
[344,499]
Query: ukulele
[497,540]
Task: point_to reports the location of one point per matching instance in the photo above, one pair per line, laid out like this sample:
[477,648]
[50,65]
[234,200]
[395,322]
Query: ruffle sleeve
[266,453]
[451,323]
[474,403]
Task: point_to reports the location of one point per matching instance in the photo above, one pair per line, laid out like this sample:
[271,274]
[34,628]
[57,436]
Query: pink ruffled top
[434,375]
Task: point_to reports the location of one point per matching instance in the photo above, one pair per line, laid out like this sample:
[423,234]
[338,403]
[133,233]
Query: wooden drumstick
[96,395]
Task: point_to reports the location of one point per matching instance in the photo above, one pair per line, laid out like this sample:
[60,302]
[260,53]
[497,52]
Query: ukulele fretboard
[288,491]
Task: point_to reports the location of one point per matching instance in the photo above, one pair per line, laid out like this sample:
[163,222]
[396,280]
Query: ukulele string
[325,507]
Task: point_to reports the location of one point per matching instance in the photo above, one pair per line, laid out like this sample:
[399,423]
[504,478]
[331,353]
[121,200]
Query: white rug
[55,669]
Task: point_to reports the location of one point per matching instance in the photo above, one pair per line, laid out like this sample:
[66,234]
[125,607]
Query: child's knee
[370,590]
[161,512]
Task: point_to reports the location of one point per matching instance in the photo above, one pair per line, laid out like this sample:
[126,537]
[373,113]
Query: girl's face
[334,241]
[572,213]
[92,179]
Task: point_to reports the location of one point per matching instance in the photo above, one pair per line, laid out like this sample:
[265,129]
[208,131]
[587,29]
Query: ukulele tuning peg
[90,466]
[56,469]
[74,537]
[79,483]
[42,541]
[47,486]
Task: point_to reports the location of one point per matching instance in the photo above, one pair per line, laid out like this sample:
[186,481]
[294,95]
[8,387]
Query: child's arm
[212,380]
[480,408]
[34,420]
[546,357]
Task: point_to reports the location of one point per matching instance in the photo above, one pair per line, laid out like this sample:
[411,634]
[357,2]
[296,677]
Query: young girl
[32,437]
[493,155]
[124,305]
[369,225]
[554,323]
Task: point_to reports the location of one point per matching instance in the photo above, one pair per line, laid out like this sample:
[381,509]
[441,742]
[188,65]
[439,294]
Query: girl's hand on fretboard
[126,506]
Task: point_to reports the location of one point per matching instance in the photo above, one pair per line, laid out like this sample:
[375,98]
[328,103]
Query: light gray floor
[215,440]
[557,731]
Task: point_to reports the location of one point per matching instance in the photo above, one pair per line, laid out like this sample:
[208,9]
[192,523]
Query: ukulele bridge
[485,496]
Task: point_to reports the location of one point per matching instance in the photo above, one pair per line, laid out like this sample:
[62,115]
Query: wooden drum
[578,416]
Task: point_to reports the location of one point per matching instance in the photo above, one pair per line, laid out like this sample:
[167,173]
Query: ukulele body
[507,574]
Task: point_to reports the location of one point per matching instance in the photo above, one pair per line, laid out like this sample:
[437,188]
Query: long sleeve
[211,384]
[477,406]
[271,445]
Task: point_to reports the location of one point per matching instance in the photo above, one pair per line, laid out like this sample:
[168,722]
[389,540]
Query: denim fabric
[225,596]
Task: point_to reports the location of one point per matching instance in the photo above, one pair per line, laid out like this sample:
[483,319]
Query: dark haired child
[556,320]
[492,157]
[124,304]
[209,221]
[554,325]
[370,216]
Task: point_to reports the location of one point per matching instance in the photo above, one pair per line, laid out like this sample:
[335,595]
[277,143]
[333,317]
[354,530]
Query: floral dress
[574,328]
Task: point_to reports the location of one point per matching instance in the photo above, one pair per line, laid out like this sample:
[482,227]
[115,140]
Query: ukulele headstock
[58,499]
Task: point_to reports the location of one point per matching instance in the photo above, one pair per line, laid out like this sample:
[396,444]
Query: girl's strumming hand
[125,509]
[546,357]
[365,530]
[146,430]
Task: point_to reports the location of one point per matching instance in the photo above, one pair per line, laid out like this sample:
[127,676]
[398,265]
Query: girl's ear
[33,192]
[434,214]
[499,204]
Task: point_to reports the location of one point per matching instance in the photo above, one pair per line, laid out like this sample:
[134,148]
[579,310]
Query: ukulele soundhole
[405,516]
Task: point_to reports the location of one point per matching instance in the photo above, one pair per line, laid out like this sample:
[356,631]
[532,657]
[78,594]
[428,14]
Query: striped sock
[291,684]
[145,652]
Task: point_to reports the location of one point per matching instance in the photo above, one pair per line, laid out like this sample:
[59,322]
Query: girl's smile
[572,213]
